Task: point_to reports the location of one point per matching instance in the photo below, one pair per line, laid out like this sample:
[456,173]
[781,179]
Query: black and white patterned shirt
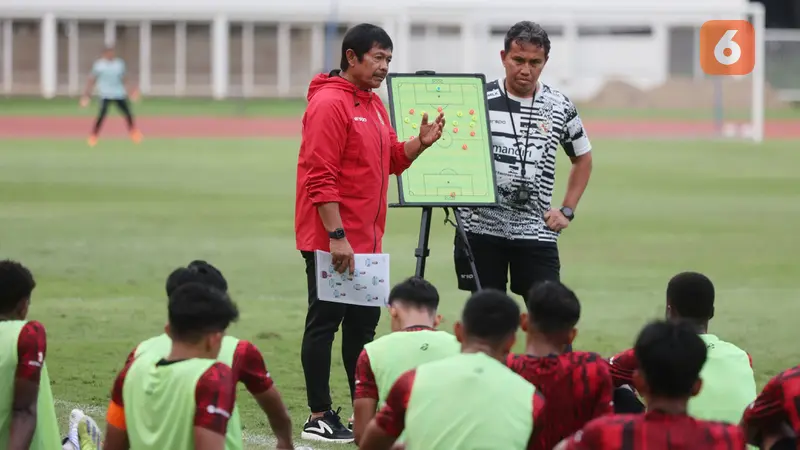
[547,120]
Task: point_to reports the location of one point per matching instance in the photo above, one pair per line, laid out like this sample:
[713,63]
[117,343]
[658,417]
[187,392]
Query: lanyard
[521,152]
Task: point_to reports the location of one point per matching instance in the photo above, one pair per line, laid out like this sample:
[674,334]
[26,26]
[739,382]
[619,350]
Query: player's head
[690,296]
[490,319]
[16,286]
[108,52]
[526,50]
[366,54]
[553,312]
[196,272]
[199,314]
[670,355]
[413,298]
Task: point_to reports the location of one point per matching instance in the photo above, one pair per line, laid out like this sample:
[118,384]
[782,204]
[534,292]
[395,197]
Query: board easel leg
[463,235]
[422,251]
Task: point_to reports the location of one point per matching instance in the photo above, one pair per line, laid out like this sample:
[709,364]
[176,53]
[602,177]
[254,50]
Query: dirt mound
[681,93]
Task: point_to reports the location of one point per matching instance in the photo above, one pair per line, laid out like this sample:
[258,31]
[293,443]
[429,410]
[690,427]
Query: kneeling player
[27,412]
[579,383]
[184,400]
[412,306]
[670,356]
[772,422]
[467,401]
[242,356]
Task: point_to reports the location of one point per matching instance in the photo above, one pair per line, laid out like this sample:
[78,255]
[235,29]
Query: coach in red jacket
[347,153]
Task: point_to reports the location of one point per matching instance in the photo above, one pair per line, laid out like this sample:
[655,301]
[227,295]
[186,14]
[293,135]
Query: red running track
[232,127]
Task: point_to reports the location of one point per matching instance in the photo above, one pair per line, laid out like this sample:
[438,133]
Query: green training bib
[160,347]
[469,402]
[392,355]
[729,384]
[46,436]
[159,403]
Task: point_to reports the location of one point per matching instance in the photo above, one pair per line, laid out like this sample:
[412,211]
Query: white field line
[98,413]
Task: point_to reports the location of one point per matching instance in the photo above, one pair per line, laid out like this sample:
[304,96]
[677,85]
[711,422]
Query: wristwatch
[336,234]
[568,213]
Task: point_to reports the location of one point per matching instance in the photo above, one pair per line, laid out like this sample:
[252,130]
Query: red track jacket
[347,153]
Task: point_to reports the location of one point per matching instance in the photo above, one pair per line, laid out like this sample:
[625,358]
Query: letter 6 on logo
[727,47]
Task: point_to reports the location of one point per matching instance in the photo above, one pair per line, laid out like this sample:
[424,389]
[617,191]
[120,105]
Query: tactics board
[458,170]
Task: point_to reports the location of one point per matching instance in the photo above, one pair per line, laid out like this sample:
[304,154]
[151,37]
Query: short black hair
[417,292]
[490,315]
[691,295]
[552,307]
[527,32]
[361,39]
[196,309]
[16,285]
[670,355]
[198,271]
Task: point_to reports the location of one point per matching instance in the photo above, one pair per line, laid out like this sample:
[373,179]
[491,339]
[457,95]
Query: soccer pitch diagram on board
[458,170]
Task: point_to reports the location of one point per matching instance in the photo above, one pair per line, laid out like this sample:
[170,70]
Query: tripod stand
[422,251]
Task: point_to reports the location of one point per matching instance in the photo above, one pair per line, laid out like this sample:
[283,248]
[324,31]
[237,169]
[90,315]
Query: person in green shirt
[413,306]
[27,411]
[242,356]
[182,401]
[469,401]
[729,384]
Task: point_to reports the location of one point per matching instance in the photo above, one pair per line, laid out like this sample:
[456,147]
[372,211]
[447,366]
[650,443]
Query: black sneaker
[328,428]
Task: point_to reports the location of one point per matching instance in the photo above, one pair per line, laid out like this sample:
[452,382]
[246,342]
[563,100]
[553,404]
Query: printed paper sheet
[369,285]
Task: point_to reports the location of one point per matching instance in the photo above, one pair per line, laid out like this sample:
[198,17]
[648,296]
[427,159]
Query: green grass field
[101,229]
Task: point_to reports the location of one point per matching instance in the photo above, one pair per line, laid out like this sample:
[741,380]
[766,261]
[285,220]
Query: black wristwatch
[568,213]
[336,234]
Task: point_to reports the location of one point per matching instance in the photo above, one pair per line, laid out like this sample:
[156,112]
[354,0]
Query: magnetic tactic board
[458,170]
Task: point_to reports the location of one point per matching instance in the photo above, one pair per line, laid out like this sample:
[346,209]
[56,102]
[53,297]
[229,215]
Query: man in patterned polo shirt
[529,120]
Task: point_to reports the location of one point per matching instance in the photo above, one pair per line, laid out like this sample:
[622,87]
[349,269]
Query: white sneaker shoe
[72,432]
[83,432]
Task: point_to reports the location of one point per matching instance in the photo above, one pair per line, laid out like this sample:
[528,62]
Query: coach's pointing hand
[556,220]
[342,256]
[430,132]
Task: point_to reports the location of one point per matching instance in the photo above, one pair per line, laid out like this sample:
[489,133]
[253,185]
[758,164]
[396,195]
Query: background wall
[601,49]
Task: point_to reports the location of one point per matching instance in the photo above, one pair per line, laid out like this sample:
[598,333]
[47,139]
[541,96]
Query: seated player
[772,422]
[468,401]
[729,383]
[579,383]
[182,401]
[671,356]
[413,308]
[27,411]
[242,356]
